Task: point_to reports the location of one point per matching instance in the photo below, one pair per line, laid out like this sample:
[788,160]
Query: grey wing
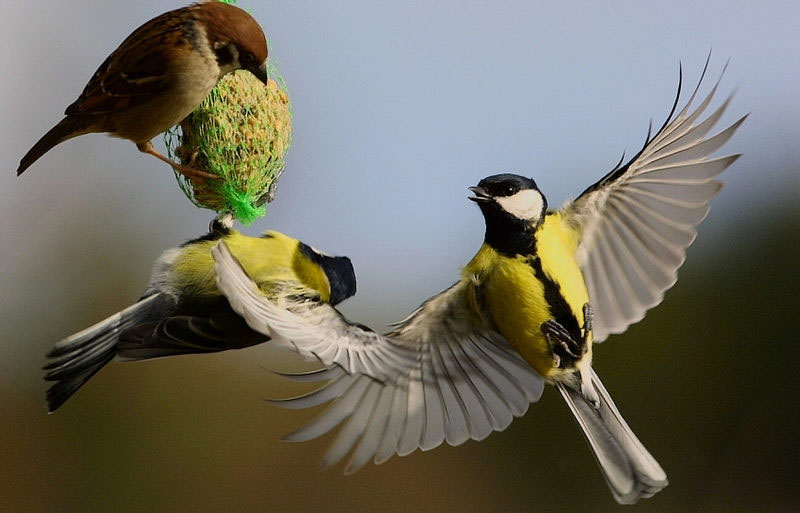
[439,376]
[637,221]
[311,328]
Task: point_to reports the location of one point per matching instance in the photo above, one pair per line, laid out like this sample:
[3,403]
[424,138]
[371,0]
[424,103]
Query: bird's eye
[510,190]
[248,58]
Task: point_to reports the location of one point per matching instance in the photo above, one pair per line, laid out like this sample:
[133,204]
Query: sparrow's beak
[480,195]
[260,72]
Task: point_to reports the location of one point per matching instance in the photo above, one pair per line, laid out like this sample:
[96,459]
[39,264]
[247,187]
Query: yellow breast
[516,294]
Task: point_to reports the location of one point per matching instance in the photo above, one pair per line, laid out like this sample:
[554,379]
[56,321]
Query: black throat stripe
[513,238]
[559,308]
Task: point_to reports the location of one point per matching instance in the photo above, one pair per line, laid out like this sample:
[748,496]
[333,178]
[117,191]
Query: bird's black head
[339,271]
[512,207]
[341,276]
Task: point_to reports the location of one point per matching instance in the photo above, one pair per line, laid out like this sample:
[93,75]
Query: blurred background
[399,106]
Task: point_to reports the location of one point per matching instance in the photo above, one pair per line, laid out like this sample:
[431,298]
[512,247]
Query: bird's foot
[566,350]
[221,224]
[188,156]
[588,323]
[193,173]
[186,170]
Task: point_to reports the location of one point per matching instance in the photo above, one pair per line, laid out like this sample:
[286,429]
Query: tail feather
[58,393]
[82,358]
[67,128]
[630,471]
[77,358]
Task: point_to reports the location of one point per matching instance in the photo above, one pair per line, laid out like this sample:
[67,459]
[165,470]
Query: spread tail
[67,128]
[630,471]
[77,358]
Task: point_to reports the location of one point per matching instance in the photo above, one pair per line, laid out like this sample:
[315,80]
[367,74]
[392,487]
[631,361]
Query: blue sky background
[399,106]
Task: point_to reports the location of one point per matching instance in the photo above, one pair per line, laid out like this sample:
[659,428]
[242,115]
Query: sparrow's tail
[77,358]
[67,128]
[631,472]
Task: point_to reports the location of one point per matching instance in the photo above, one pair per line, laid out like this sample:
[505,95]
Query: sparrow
[544,286]
[183,312]
[159,75]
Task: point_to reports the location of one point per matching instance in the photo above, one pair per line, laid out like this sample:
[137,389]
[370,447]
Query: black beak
[260,72]
[480,195]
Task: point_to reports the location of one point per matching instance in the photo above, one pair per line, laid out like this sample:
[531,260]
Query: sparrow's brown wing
[139,67]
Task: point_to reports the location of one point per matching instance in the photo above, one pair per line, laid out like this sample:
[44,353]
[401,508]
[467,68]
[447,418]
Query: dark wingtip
[56,396]
[26,162]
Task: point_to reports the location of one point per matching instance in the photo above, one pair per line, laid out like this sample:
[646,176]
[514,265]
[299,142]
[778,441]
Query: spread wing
[638,220]
[439,376]
[137,68]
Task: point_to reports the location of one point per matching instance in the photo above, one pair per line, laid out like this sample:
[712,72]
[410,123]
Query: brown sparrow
[159,75]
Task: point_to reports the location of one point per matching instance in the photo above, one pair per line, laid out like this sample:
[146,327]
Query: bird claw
[588,323]
[186,170]
[193,159]
[192,173]
[566,350]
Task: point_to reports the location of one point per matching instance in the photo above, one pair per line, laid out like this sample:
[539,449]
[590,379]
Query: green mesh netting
[241,133]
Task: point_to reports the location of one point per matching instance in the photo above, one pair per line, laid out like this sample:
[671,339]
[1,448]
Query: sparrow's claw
[193,159]
[193,173]
[186,170]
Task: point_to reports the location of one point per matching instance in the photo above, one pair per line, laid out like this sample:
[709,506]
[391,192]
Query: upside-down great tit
[183,312]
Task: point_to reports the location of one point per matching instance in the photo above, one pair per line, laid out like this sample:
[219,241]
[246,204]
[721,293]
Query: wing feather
[411,436]
[457,427]
[356,423]
[338,411]
[394,425]
[371,437]
[638,220]
[439,376]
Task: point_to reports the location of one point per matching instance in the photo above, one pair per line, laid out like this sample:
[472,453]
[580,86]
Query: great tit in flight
[543,287]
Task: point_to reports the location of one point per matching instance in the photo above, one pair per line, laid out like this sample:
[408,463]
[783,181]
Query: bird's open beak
[480,194]
[260,72]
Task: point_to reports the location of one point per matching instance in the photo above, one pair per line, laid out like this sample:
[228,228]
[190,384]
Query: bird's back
[274,260]
[142,80]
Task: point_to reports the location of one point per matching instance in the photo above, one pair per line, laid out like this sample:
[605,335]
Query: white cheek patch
[525,204]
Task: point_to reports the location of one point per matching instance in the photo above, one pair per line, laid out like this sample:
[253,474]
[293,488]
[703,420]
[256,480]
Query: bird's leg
[221,224]
[588,324]
[566,350]
[183,151]
[587,388]
[187,171]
